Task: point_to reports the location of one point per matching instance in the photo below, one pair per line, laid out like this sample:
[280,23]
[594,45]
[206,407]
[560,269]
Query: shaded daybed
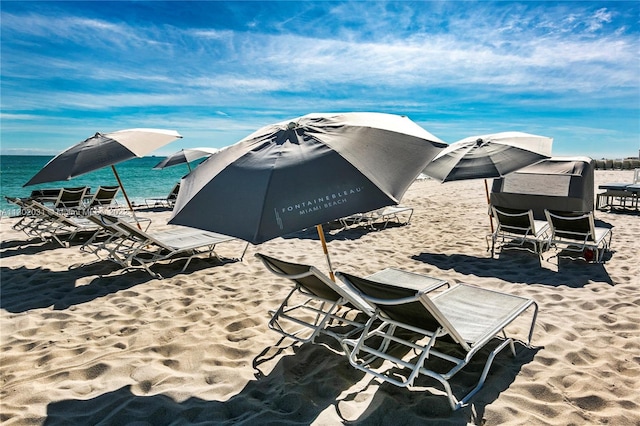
[559,183]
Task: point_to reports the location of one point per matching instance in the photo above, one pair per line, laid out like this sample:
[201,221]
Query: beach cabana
[559,184]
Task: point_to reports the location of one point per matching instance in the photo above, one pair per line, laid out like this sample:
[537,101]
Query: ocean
[137,176]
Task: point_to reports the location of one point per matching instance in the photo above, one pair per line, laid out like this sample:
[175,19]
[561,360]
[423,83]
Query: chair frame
[131,247]
[169,201]
[422,308]
[314,304]
[48,224]
[385,214]
[576,232]
[518,227]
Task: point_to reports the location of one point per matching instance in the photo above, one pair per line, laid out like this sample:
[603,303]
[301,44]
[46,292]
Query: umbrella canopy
[488,156]
[101,150]
[303,172]
[185,156]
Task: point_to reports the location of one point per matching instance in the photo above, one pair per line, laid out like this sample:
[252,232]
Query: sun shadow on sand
[297,390]
[338,233]
[520,267]
[24,289]
[31,246]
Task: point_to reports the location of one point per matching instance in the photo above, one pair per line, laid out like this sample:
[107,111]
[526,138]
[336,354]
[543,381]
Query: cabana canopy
[558,183]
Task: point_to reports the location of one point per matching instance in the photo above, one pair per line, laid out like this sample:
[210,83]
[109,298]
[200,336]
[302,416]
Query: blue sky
[216,71]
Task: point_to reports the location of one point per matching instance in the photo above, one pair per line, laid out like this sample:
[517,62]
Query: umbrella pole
[486,191]
[326,251]
[126,197]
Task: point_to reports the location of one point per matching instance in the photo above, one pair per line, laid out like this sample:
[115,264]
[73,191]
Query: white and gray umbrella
[101,150]
[305,172]
[488,156]
[186,155]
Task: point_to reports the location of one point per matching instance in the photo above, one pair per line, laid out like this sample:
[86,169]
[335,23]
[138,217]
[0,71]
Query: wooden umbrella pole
[126,197]
[326,251]
[486,190]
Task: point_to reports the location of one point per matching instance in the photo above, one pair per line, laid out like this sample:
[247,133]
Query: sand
[94,345]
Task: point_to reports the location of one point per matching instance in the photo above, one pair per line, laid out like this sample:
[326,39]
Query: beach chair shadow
[297,390]
[519,267]
[392,402]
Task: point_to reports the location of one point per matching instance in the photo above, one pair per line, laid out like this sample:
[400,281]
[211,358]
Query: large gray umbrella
[488,156]
[101,150]
[186,155]
[304,172]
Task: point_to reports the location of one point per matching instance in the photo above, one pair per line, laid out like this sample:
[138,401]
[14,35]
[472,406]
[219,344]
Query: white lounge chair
[315,304]
[576,232]
[169,201]
[70,200]
[103,198]
[133,247]
[516,229]
[399,214]
[48,224]
[464,316]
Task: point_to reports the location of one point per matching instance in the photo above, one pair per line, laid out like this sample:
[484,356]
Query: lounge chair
[450,327]
[315,305]
[103,198]
[624,195]
[48,224]
[169,201]
[576,232]
[71,199]
[48,195]
[517,228]
[133,247]
[399,214]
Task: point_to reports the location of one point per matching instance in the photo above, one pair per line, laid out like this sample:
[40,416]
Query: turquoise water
[137,175]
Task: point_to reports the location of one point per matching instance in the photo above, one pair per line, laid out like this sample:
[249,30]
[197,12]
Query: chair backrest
[104,196]
[130,231]
[514,220]
[400,304]
[300,274]
[49,194]
[407,306]
[173,195]
[70,197]
[572,225]
[314,281]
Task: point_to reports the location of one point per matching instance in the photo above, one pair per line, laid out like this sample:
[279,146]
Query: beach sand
[93,345]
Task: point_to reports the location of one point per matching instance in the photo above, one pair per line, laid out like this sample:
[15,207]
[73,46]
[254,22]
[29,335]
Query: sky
[216,71]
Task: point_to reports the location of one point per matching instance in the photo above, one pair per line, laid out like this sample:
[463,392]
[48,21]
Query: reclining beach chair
[47,224]
[518,228]
[70,200]
[450,327]
[576,232]
[315,304]
[399,214]
[103,198]
[136,248]
[169,201]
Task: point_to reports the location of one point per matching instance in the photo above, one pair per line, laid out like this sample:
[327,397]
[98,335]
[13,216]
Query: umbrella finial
[292,125]
[479,141]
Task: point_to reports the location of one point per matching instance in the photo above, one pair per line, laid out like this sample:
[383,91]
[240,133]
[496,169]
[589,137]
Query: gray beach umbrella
[102,150]
[186,155]
[488,156]
[305,172]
